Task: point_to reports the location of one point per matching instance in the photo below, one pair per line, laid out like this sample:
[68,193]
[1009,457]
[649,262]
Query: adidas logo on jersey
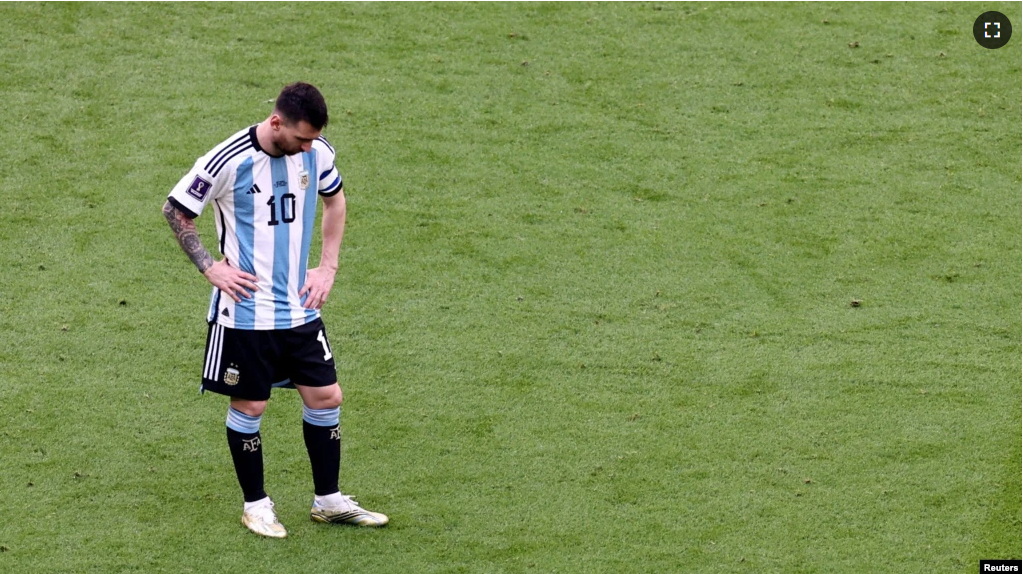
[254,189]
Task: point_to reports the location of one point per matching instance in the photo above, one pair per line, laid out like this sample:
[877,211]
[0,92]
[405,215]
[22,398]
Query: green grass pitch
[643,287]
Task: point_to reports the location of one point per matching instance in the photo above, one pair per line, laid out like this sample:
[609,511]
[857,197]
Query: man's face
[293,138]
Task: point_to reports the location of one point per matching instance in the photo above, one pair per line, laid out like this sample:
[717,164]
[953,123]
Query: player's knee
[251,408]
[335,398]
[328,397]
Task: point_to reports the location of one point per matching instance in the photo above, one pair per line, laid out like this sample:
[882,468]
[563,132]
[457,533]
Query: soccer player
[264,316]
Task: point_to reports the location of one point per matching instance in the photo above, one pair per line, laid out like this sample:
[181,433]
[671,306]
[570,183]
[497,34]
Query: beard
[285,148]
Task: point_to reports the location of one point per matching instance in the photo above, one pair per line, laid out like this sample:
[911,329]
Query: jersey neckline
[259,148]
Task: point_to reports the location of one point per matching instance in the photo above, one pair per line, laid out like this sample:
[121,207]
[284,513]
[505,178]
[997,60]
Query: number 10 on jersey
[287,209]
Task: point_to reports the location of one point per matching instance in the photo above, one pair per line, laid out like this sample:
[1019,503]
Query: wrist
[204,264]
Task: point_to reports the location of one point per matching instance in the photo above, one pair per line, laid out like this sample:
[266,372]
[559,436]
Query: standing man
[264,315]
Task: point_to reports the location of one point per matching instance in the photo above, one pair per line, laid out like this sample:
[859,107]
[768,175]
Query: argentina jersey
[265,210]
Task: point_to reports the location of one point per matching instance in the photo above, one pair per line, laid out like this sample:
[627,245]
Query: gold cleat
[262,520]
[348,512]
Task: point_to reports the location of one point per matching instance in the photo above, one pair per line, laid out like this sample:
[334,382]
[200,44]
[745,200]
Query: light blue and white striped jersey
[265,210]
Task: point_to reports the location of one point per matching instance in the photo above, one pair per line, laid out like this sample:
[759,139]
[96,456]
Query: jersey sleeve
[197,188]
[329,182]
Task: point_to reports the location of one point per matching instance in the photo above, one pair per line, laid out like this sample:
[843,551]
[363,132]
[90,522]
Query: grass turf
[596,304]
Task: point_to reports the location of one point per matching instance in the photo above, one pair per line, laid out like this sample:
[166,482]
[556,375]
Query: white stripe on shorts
[213,353]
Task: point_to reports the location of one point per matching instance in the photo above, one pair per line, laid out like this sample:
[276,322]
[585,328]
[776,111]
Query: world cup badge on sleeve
[199,188]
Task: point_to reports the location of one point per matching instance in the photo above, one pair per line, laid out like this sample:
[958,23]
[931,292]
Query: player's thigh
[312,367]
[307,358]
[238,363]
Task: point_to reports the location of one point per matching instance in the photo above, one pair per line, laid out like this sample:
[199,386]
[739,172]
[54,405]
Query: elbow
[168,211]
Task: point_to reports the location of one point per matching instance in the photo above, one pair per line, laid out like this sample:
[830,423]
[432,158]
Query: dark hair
[302,102]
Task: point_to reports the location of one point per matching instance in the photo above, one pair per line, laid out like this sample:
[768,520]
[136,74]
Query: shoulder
[234,148]
[329,178]
[323,143]
[323,148]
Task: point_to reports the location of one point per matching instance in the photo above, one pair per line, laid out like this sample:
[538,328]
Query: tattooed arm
[188,237]
[234,282]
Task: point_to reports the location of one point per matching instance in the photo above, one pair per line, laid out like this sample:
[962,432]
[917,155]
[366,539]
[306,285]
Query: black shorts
[246,364]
